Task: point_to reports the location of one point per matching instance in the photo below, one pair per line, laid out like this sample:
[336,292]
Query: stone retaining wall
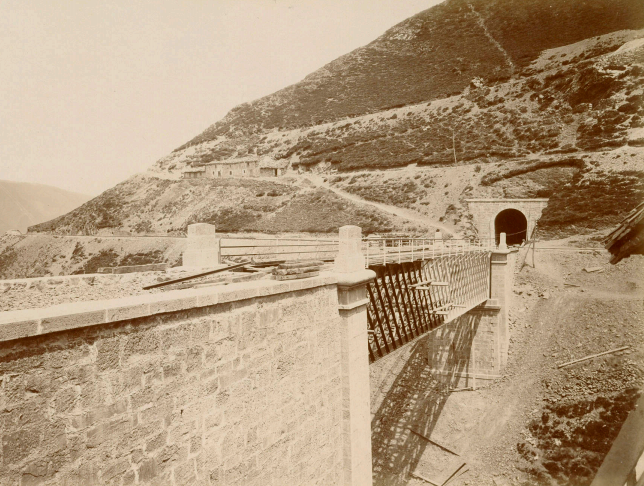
[62,281]
[150,267]
[241,385]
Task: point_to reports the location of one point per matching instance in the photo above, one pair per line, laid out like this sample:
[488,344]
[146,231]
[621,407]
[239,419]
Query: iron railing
[410,298]
[381,251]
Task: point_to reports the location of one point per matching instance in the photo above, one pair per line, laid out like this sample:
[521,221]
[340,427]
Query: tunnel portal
[513,223]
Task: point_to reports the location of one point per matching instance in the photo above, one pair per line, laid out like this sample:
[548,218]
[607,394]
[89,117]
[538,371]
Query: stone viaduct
[254,383]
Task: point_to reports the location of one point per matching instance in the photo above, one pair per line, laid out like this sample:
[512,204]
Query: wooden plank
[406,304]
[297,276]
[197,275]
[371,334]
[421,297]
[411,298]
[430,285]
[295,271]
[434,442]
[434,323]
[400,321]
[457,475]
[372,304]
[390,302]
[300,264]
[385,311]
[592,356]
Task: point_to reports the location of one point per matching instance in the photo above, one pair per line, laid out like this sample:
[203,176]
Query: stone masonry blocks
[240,392]
[350,257]
[484,212]
[202,249]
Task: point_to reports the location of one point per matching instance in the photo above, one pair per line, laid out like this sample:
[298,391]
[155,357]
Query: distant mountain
[23,204]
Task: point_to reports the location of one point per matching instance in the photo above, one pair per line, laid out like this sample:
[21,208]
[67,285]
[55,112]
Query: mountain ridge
[23,204]
[460,40]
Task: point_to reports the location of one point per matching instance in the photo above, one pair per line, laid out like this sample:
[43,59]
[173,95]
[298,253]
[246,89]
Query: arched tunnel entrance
[513,223]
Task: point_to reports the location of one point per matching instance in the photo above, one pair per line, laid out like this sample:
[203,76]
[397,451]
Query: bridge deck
[410,298]
[421,283]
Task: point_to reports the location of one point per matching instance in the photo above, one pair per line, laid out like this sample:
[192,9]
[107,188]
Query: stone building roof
[194,169]
[270,163]
[237,160]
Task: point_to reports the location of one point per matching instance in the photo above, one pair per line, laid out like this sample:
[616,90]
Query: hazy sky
[92,92]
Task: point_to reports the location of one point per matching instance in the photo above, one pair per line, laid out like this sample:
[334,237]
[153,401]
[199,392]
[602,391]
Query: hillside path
[403,213]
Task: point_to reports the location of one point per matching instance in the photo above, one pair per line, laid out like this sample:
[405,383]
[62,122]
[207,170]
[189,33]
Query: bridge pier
[203,250]
[352,281]
[473,348]
[500,288]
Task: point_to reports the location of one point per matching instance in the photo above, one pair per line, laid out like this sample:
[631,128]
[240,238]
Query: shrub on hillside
[492,177]
[592,203]
[105,258]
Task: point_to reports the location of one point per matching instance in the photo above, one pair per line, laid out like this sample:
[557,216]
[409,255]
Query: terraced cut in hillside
[145,204]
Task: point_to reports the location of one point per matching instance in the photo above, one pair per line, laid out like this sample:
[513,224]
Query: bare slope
[23,204]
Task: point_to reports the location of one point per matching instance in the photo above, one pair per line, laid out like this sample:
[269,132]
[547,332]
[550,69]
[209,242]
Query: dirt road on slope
[403,213]
[537,425]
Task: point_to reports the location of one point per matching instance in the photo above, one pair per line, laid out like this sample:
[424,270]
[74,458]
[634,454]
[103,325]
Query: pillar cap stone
[350,258]
[502,242]
[201,229]
[355,278]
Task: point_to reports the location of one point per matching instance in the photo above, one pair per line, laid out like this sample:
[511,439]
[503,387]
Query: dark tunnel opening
[513,223]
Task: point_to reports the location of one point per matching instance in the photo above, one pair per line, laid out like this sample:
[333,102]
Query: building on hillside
[239,167]
[193,173]
[269,167]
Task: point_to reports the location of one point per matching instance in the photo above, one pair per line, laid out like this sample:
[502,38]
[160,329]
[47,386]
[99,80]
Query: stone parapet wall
[62,281]
[150,267]
[241,385]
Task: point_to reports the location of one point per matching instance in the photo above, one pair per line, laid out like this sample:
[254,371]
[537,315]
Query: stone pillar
[503,246]
[438,239]
[352,299]
[203,247]
[500,288]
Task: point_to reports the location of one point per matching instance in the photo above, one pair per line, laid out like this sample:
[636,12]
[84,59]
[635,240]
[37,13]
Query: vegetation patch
[401,192]
[322,211]
[591,201]
[571,439]
[141,258]
[105,258]
[7,258]
[495,176]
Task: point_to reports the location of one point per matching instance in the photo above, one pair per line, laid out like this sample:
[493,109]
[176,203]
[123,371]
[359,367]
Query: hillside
[516,98]
[24,204]
[145,204]
[431,55]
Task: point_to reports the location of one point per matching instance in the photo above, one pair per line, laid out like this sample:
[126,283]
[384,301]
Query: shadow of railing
[416,399]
